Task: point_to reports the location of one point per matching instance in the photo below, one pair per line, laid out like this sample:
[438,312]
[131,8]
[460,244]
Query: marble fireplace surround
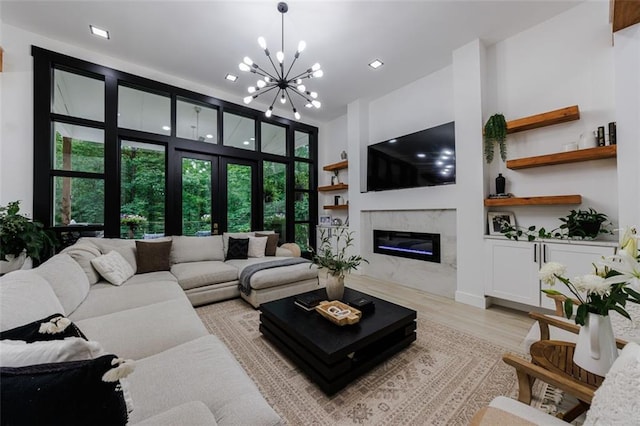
[435,278]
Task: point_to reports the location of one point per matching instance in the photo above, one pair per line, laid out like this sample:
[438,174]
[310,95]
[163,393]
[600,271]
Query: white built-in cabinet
[511,271]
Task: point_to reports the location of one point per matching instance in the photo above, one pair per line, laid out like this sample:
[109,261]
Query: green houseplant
[332,255]
[495,131]
[20,235]
[578,224]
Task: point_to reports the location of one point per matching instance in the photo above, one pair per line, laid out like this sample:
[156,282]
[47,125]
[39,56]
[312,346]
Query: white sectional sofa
[183,375]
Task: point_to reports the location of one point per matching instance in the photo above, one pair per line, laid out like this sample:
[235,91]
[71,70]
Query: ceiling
[202,41]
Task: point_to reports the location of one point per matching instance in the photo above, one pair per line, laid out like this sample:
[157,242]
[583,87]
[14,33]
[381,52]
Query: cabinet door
[512,271]
[577,258]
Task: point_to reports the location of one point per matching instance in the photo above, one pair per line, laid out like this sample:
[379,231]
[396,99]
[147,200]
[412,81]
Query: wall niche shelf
[336,207]
[533,201]
[336,187]
[336,166]
[549,118]
[576,156]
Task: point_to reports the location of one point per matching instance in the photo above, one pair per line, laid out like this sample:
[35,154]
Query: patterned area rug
[443,378]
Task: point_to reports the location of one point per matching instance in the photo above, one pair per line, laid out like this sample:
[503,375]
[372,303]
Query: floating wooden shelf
[533,201]
[336,166]
[624,13]
[558,116]
[337,187]
[336,207]
[576,156]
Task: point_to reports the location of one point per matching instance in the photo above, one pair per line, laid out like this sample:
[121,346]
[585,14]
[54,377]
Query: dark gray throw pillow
[272,243]
[238,248]
[153,256]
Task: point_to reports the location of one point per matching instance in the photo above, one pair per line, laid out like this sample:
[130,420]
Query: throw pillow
[257,246]
[238,248]
[83,253]
[272,243]
[70,393]
[68,280]
[16,353]
[113,267]
[53,327]
[153,256]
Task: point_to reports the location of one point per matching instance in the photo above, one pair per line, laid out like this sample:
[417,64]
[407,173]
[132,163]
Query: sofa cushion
[53,327]
[25,297]
[71,393]
[153,256]
[113,267]
[106,299]
[272,243]
[193,413]
[16,353]
[147,330]
[202,369]
[199,274]
[83,253]
[524,411]
[68,280]
[257,246]
[276,276]
[616,400]
[127,248]
[196,249]
[238,248]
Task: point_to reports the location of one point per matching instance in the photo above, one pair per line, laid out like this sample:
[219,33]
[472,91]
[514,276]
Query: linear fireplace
[413,245]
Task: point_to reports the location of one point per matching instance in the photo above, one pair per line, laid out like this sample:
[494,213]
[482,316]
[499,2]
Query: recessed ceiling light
[167,128]
[231,77]
[421,155]
[245,143]
[99,32]
[209,136]
[393,141]
[376,64]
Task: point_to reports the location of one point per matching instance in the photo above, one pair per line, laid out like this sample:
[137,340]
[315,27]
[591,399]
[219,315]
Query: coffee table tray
[328,310]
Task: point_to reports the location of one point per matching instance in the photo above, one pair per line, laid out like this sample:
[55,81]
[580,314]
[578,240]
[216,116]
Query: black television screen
[424,158]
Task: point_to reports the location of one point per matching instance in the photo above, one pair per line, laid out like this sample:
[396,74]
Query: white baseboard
[472,299]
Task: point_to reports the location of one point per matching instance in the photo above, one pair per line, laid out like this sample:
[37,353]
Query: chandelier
[286,84]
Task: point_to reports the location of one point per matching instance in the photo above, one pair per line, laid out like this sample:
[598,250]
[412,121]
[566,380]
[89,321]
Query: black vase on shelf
[500,184]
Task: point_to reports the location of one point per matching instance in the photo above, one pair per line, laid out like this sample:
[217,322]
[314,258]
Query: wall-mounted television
[424,158]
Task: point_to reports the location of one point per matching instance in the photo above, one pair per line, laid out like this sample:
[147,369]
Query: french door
[215,194]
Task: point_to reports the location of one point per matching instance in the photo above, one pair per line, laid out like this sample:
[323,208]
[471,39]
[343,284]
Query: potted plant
[583,223]
[332,255]
[133,221]
[495,131]
[21,238]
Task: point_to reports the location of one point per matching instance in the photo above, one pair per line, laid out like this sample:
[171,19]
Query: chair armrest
[545,321]
[526,370]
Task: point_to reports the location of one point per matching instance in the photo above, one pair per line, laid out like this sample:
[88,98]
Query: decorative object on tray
[578,224]
[495,131]
[501,183]
[21,238]
[615,281]
[332,255]
[338,312]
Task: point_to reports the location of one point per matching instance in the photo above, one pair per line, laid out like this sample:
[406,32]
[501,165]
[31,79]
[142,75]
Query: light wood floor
[503,326]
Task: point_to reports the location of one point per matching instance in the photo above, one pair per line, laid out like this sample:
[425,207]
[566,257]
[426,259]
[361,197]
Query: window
[142,189]
[273,139]
[197,122]
[275,197]
[78,96]
[196,196]
[239,132]
[78,148]
[142,110]
[302,144]
[78,201]
[239,196]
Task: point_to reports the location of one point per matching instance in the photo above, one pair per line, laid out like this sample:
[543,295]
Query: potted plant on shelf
[578,224]
[495,131]
[332,255]
[21,238]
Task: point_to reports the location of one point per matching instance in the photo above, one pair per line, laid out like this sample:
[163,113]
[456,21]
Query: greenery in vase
[332,253]
[19,234]
[583,224]
[614,282]
[495,131]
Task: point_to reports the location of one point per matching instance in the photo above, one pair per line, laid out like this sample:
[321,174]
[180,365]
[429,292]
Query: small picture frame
[498,220]
[325,220]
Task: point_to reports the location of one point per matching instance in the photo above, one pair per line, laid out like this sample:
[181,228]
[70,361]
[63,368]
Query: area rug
[443,378]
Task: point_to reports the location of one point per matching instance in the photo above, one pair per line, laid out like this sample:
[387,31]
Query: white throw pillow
[25,297]
[257,246]
[113,267]
[16,353]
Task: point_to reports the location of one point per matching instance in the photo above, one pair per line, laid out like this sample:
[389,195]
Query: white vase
[335,286]
[596,347]
[13,263]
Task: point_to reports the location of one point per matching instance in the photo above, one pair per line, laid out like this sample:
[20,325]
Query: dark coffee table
[331,355]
